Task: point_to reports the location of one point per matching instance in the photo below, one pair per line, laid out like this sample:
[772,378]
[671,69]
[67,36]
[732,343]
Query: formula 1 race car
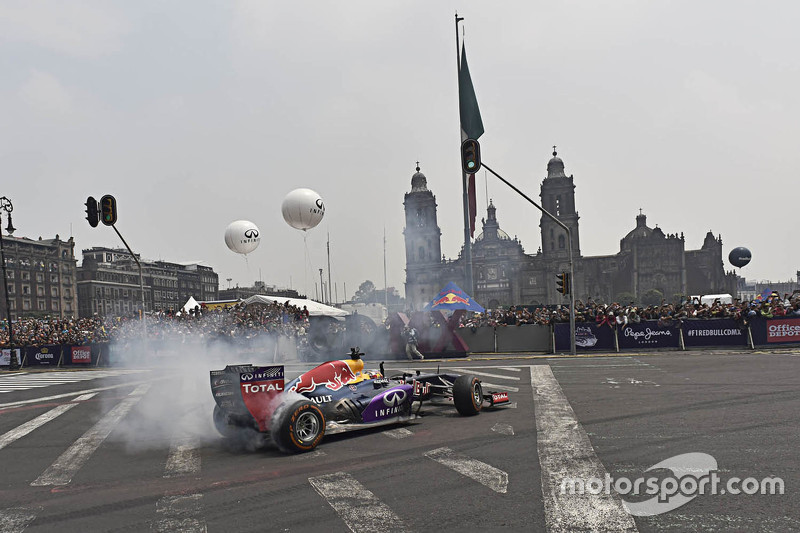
[333,397]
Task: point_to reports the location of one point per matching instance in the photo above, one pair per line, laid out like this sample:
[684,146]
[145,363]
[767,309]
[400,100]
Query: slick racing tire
[467,395]
[221,423]
[297,427]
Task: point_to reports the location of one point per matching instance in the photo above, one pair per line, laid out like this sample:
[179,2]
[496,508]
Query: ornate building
[40,277]
[650,264]
[108,283]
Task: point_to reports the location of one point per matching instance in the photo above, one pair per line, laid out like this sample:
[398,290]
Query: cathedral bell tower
[558,198]
[423,243]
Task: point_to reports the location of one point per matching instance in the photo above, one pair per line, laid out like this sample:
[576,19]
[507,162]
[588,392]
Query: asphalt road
[135,450]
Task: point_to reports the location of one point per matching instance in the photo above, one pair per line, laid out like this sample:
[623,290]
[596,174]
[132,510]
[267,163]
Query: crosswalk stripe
[360,509]
[68,394]
[483,473]
[399,433]
[16,519]
[486,374]
[510,368]
[503,429]
[29,426]
[179,513]
[491,386]
[68,464]
[29,381]
[566,452]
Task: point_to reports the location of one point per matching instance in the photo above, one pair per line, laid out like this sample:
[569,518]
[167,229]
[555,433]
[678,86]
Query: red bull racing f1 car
[333,397]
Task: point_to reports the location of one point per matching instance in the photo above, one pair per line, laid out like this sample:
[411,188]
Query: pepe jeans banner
[5,356]
[588,336]
[43,355]
[648,334]
[717,332]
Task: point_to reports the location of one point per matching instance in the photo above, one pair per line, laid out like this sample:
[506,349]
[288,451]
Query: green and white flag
[471,123]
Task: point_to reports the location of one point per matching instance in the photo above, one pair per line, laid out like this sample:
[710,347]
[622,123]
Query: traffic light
[561,283]
[91,212]
[108,209]
[567,283]
[470,156]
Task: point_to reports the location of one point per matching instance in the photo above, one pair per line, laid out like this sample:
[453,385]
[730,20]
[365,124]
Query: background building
[259,287]
[108,283]
[40,277]
[649,266]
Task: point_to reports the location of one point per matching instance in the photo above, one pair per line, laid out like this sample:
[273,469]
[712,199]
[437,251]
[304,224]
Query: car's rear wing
[240,390]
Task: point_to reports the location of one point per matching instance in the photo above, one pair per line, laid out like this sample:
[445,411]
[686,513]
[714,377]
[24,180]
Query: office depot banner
[717,332]
[783,330]
[81,355]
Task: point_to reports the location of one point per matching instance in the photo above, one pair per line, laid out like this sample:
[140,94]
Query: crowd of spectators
[232,323]
[616,314]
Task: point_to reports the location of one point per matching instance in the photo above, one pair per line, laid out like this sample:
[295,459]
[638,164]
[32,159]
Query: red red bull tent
[451,298]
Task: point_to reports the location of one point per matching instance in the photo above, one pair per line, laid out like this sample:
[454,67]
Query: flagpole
[464,178]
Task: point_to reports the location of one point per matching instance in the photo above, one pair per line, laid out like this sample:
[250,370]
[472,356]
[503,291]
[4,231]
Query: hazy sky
[195,114]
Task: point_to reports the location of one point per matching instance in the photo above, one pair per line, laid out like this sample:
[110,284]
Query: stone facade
[40,277]
[649,264]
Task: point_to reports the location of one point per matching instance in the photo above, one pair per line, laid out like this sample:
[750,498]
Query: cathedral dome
[641,231]
[555,167]
[418,181]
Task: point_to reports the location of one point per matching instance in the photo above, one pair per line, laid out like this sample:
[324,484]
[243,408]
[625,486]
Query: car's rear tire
[297,427]
[225,429]
[468,395]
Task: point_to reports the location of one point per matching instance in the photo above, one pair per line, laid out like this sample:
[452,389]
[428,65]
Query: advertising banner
[783,330]
[648,334]
[43,355]
[717,332]
[5,356]
[523,338]
[588,336]
[80,355]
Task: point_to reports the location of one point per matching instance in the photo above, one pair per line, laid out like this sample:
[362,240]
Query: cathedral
[649,266]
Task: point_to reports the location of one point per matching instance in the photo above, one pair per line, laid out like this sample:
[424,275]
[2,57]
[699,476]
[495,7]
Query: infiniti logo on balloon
[394,397]
[251,233]
[320,204]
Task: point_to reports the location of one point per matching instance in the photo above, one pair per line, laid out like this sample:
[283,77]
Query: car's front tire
[467,395]
[297,427]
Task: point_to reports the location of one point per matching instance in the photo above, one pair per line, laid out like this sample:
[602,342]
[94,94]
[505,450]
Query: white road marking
[399,433]
[355,504]
[72,460]
[510,368]
[37,380]
[16,519]
[566,452]
[27,427]
[179,513]
[495,386]
[68,394]
[503,429]
[486,374]
[483,473]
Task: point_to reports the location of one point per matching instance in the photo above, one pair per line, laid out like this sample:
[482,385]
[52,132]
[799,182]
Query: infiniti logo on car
[394,397]
[247,377]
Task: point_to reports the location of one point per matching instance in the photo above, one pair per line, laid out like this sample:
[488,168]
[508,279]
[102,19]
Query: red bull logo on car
[334,375]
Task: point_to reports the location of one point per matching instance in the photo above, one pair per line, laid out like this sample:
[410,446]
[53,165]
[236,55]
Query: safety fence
[443,339]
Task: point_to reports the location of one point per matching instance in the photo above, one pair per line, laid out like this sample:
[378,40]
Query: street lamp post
[8,207]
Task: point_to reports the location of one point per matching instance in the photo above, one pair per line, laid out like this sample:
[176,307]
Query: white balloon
[242,236]
[303,209]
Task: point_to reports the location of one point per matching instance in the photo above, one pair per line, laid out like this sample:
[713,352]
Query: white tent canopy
[190,304]
[314,308]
